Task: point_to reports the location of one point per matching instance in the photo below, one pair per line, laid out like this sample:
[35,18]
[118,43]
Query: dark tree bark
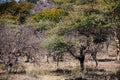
[80,57]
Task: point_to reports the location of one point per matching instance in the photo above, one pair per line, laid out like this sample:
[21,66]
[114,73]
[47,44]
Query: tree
[15,11]
[83,20]
[15,43]
[113,16]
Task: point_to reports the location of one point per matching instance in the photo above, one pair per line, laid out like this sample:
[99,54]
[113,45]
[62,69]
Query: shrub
[55,43]
[53,14]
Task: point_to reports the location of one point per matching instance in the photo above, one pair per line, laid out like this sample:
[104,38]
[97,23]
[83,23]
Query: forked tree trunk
[81,58]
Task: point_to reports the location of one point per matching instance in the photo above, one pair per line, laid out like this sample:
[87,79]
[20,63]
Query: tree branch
[72,54]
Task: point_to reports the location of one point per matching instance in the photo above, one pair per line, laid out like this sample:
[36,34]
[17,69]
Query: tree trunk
[81,60]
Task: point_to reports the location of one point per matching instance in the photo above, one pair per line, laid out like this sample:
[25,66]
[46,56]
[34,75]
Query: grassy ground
[69,69]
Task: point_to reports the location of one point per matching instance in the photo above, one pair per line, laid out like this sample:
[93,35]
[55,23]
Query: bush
[53,14]
[15,11]
[55,43]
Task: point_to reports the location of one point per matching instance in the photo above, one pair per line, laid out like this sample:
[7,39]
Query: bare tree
[18,42]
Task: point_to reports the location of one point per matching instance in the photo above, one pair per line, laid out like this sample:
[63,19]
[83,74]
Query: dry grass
[107,68]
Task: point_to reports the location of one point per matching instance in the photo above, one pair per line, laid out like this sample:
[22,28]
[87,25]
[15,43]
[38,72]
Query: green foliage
[113,15]
[87,1]
[55,43]
[59,30]
[61,2]
[40,26]
[92,21]
[53,14]
[91,11]
[87,17]
[15,11]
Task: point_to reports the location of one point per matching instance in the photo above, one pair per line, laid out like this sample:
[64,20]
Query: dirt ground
[69,69]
